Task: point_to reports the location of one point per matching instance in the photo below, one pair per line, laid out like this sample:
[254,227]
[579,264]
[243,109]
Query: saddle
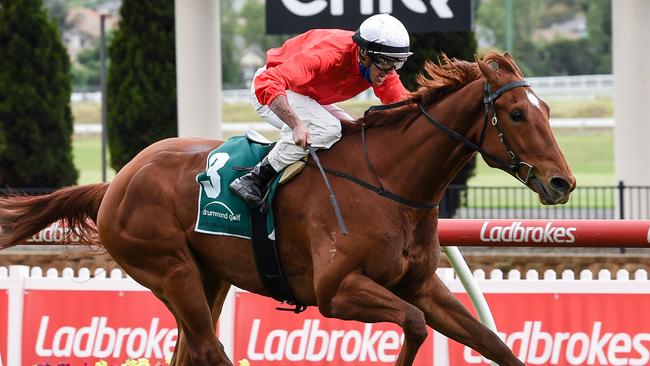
[290,171]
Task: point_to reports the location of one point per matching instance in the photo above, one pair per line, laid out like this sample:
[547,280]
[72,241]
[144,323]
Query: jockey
[302,80]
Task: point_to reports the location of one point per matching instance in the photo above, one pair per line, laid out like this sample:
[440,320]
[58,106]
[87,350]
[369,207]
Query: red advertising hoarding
[568,329]
[4,319]
[268,337]
[542,329]
[87,326]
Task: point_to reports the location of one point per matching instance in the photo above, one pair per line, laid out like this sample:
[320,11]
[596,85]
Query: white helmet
[385,35]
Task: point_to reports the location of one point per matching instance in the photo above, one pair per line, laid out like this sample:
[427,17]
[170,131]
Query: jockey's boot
[252,187]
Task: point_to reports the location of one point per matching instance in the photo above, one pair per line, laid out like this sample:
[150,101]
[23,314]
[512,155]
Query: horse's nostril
[560,184]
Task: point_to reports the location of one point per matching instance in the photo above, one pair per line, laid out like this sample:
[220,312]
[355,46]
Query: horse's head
[517,135]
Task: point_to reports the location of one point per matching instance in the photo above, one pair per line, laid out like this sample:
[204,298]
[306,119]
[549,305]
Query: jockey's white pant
[323,123]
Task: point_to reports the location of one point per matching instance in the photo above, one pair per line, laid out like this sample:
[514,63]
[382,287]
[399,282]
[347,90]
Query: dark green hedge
[429,46]
[35,117]
[141,79]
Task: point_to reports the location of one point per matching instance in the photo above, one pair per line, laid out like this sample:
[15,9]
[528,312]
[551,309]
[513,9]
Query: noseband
[489,100]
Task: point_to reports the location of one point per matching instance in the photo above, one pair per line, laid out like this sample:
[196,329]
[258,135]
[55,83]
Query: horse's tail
[23,216]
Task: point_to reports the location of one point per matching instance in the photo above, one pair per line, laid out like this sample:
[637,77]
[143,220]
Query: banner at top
[419,16]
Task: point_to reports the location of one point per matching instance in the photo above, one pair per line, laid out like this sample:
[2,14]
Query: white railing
[578,85]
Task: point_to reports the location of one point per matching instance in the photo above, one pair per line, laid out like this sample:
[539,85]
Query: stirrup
[297,308]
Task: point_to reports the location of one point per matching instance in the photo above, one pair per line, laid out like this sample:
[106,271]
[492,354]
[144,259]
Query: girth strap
[268,264]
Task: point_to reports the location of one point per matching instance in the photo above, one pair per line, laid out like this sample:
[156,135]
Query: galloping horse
[383,271]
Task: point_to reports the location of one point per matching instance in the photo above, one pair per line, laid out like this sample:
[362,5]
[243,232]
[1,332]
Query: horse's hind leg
[360,298]
[175,278]
[183,289]
[216,292]
[444,313]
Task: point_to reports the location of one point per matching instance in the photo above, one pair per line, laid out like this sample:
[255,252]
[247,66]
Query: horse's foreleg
[359,298]
[445,314]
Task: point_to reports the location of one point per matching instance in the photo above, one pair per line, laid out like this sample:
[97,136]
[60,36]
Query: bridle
[489,100]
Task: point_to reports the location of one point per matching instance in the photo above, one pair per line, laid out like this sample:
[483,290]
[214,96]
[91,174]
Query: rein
[380,190]
[489,99]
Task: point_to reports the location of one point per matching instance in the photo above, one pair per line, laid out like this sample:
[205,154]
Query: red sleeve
[295,71]
[391,90]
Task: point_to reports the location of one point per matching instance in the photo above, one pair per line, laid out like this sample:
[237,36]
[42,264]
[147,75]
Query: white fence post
[17,275]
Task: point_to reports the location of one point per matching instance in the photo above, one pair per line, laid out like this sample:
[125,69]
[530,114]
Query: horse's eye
[517,116]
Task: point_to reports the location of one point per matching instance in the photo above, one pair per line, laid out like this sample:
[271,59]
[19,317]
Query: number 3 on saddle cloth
[221,212]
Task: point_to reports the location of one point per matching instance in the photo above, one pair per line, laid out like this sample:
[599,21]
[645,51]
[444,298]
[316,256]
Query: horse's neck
[425,159]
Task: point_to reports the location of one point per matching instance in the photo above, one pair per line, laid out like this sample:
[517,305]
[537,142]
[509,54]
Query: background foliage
[35,117]
[141,79]
[243,31]
[589,53]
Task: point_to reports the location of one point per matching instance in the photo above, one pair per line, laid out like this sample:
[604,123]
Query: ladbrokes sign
[540,328]
[419,16]
[568,329]
[516,232]
[267,337]
[86,326]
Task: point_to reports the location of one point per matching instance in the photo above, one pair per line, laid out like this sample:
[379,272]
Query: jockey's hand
[301,136]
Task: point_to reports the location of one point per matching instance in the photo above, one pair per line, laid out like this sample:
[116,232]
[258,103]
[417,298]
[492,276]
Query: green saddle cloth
[220,211]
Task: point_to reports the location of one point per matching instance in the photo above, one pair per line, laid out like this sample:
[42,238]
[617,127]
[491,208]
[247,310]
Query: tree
[492,24]
[430,46]
[141,79]
[538,57]
[571,57]
[35,117]
[253,27]
[57,10]
[230,70]
[86,71]
[599,26]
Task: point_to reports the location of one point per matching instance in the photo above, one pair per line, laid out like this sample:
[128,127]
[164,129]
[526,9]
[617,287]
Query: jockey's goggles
[386,64]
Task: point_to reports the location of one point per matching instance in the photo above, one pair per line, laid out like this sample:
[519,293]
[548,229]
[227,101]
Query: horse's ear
[489,71]
[515,67]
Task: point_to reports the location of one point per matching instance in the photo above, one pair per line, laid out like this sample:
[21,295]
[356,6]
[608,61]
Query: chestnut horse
[383,271]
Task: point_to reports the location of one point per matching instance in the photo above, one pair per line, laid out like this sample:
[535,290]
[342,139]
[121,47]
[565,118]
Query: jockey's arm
[280,106]
[271,86]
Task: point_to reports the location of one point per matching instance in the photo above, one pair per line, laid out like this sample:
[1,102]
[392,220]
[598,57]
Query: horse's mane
[435,81]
